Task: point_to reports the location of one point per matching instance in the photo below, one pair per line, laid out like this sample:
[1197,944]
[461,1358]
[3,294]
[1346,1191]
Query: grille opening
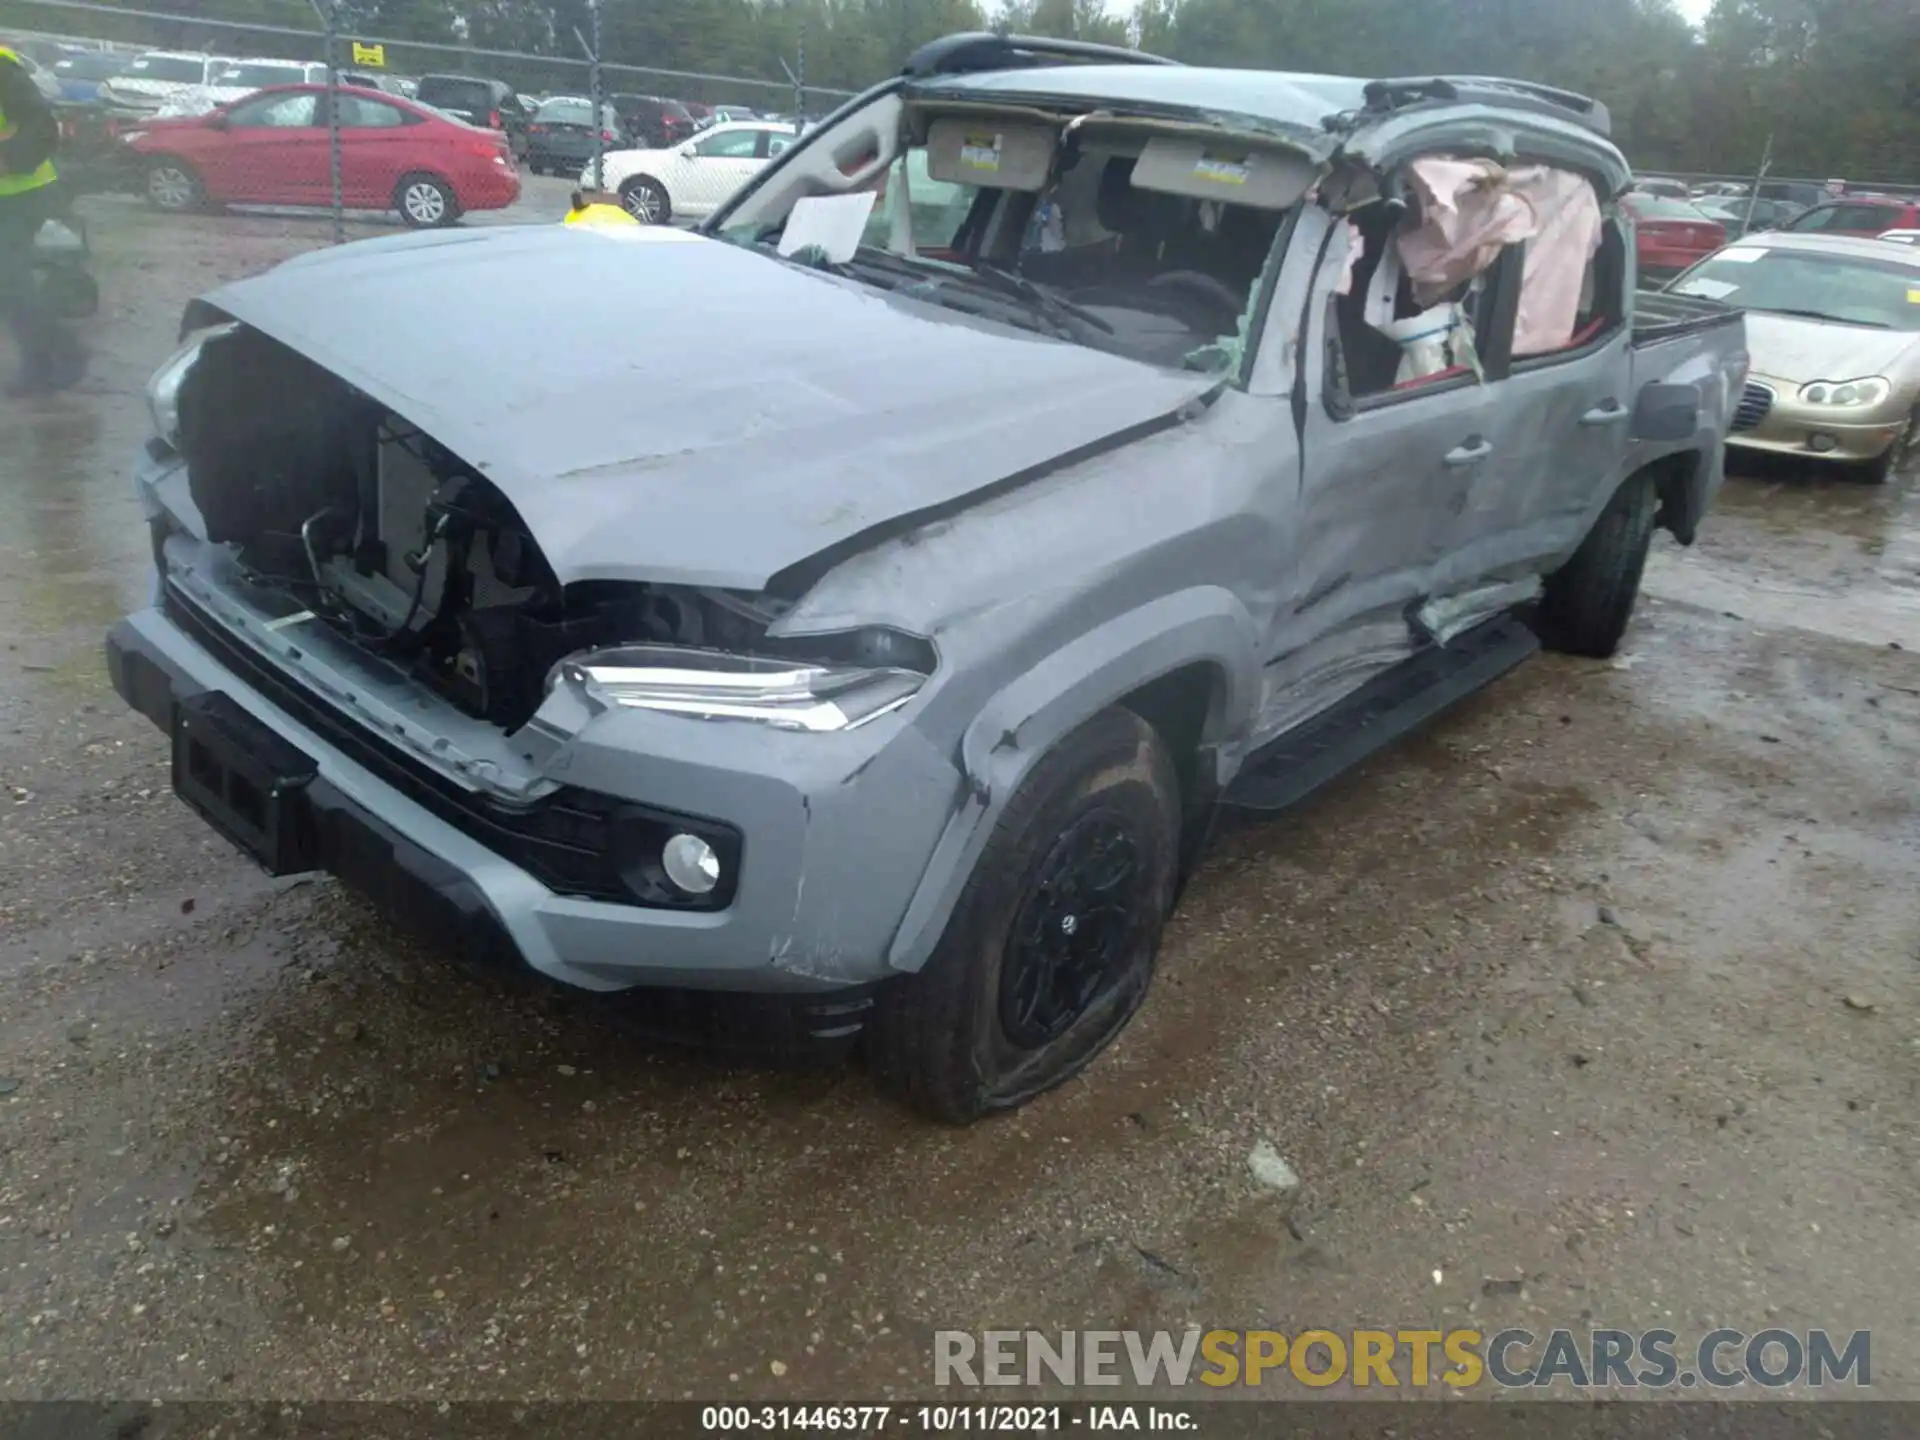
[1755,403]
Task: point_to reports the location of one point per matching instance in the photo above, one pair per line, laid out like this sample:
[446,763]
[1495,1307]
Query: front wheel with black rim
[174,186]
[1051,947]
[1589,600]
[646,200]
[426,202]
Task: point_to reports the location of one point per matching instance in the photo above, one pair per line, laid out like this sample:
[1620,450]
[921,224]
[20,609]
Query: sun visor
[990,153]
[1236,174]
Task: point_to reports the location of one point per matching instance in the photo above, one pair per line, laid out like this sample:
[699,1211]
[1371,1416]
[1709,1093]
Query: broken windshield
[1069,241]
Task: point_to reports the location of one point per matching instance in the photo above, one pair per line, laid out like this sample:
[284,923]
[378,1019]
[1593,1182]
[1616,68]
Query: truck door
[1390,462]
[1560,436]
[1386,468]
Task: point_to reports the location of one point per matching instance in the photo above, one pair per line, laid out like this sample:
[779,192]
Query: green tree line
[1834,83]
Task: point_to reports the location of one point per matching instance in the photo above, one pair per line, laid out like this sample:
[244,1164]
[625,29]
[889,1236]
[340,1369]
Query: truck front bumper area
[828,865]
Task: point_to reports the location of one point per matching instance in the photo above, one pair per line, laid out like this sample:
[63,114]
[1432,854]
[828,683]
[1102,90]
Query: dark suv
[490,104]
[653,121]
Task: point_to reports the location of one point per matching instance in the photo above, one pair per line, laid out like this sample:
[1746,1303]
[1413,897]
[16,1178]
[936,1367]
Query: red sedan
[1671,235]
[1863,215]
[272,148]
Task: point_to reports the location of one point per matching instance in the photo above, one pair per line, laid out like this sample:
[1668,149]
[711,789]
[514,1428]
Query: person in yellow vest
[595,208]
[50,357]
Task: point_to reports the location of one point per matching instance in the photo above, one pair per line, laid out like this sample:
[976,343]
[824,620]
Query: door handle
[1612,412]
[1476,449]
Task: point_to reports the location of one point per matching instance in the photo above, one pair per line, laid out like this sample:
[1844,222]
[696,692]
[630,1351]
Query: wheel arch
[1684,482]
[1186,664]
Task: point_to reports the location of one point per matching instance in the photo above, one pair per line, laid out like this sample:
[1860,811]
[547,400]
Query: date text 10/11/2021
[944,1419]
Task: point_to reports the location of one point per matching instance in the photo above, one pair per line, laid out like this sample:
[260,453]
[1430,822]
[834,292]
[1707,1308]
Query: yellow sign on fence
[373,55]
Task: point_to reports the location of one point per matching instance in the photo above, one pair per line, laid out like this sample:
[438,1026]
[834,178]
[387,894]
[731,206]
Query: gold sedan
[1833,324]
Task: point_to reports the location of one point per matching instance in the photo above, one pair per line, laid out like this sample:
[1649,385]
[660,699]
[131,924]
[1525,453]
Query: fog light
[1821,444]
[690,864]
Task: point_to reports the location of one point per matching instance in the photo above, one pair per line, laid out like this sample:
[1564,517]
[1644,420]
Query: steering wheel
[1201,285]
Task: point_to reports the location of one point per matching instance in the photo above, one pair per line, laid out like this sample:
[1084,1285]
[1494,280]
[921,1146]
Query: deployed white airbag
[1471,210]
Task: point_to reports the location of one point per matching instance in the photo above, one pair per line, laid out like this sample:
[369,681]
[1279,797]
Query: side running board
[1386,708]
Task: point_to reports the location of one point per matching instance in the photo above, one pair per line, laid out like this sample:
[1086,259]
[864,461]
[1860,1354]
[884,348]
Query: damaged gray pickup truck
[875,597]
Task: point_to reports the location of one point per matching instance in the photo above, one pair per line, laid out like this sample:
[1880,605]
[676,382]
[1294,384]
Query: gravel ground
[1597,1004]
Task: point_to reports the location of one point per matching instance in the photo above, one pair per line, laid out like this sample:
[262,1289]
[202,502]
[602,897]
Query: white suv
[159,76]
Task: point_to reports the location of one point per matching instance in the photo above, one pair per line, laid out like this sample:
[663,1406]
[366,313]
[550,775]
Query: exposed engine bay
[391,539]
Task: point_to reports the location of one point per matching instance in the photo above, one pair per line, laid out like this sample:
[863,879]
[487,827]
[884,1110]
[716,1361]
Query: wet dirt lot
[1609,985]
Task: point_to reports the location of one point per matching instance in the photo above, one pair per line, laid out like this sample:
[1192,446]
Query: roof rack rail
[1392,94]
[978,50]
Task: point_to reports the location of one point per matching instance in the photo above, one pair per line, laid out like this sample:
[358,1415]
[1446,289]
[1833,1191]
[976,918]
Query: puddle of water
[73,547]
[1804,549]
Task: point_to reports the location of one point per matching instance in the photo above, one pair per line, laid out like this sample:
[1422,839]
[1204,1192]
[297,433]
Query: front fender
[1025,720]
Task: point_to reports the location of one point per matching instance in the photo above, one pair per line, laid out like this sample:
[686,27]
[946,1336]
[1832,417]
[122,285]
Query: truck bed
[1661,315]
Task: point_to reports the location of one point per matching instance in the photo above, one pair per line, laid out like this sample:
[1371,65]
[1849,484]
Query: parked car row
[275,148]
[191,129]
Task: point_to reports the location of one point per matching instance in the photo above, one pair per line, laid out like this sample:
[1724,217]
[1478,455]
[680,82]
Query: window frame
[1500,298]
[407,117]
[260,103]
[753,138]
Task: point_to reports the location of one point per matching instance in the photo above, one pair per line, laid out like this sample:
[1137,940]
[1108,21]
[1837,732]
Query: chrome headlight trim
[1858,394]
[716,685]
[163,389]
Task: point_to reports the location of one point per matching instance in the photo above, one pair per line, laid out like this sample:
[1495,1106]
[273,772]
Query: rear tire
[1589,600]
[647,201]
[425,202]
[174,187]
[1051,948]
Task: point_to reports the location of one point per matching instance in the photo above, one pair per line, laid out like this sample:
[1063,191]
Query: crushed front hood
[661,406]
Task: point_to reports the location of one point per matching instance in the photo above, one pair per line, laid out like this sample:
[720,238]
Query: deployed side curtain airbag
[1471,210]
[1558,256]
[1468,215]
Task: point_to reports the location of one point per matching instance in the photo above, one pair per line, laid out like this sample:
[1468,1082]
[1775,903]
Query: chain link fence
[346,108]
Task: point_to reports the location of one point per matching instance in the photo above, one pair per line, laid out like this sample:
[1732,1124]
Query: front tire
[1051,948]
[1589,600]
[425,202]
[1883,469]
[174,187]
[647,201]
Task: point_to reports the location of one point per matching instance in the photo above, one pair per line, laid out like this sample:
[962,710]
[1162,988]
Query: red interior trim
[1446,374]
[1592,328]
